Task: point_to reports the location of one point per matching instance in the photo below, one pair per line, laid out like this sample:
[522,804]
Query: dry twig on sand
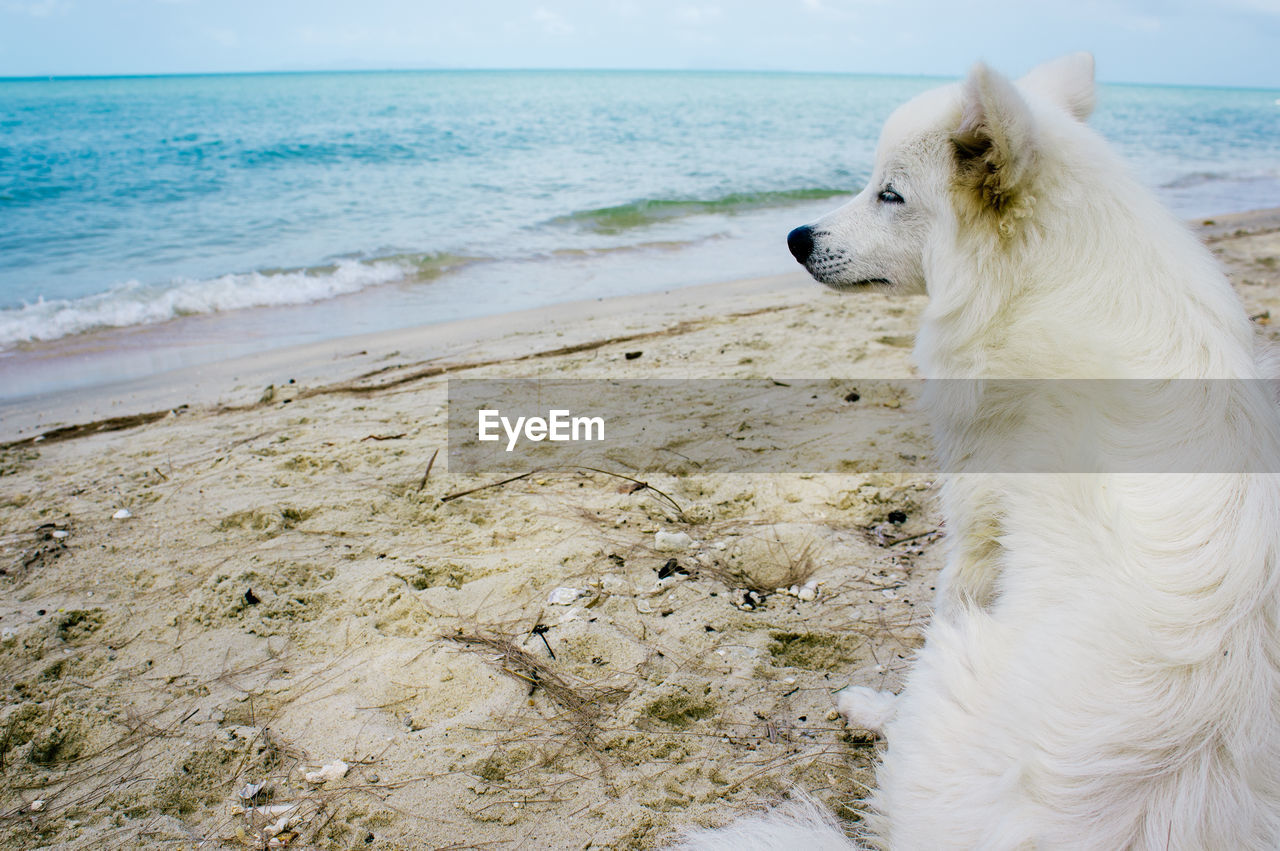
[639,484]
[583,702]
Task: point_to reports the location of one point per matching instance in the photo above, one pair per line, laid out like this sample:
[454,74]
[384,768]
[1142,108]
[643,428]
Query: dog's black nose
[800,241]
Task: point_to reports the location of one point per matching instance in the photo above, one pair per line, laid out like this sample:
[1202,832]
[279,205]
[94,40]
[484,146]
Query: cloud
[697,15]
[1143,23]
[836,8]
[1267,7]
[552,23]
[223,37]
[38,8]
[625,8]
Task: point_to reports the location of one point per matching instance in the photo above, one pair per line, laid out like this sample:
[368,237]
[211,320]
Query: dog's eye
[889,196]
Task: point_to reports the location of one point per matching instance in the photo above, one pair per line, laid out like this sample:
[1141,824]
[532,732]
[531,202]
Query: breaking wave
[649,211]
[133,303]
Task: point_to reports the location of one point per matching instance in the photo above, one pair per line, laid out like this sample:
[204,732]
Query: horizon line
[23,78]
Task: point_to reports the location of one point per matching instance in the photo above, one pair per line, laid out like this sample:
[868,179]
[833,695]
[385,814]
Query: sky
[1227,43]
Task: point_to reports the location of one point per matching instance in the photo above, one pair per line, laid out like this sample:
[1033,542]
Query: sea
[307,206]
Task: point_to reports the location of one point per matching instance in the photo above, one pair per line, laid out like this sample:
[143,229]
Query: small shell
[614,584]
[122,514]
[564,596]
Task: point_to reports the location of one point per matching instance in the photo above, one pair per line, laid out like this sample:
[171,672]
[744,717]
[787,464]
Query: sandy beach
[242,605]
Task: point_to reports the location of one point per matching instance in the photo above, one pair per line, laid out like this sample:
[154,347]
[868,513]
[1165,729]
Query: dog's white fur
[1103,665]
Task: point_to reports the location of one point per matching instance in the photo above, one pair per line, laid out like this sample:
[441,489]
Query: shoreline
[745,244]
[241,379]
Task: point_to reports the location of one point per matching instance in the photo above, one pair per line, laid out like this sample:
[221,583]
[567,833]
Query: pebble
[59,534]
[122,514]
[664,541]
[329,771]
[37,805]
[671,569]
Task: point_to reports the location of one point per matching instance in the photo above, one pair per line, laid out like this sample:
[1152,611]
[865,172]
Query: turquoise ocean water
[407,198]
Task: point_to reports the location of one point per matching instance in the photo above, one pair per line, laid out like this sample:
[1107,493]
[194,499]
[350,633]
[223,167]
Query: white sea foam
[133,303]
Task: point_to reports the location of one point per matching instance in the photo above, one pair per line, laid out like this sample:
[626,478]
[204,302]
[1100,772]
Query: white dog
[1102,669]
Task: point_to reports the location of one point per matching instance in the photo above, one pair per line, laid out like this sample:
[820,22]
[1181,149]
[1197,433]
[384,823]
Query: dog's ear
[994,146]
[1067,81]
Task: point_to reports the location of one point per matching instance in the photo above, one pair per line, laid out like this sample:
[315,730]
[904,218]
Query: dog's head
[963,155]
